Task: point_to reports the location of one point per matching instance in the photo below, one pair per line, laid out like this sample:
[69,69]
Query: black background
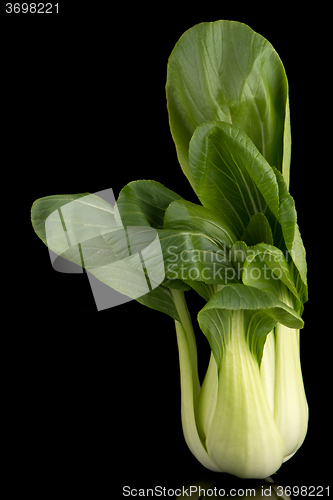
[94,397]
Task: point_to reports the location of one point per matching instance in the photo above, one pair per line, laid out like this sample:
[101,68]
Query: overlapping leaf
[230,176]
[44,207]
[262,311]
[234,180]
[267,268]
[184,215]
[143,203]
[225,71]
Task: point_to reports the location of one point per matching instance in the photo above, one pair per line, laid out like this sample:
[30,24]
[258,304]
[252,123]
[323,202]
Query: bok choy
[239,247]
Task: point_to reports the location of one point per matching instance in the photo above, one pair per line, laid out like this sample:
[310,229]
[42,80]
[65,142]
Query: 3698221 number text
[32,8]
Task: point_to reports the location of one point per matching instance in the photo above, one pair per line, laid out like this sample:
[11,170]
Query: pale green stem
[267,369]
[189,382]
[290,405]
[290,408]
[208,396]
[185,319]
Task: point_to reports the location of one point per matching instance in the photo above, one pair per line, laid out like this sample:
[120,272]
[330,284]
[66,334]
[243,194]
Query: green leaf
[192,255]
[230,176]
[185,215]
[258,230]
[232,179]
[176,284]
[262,311]
[196,249]
[161,300]
[205,290]
[43,207]
[266,268]
[292,237]
[225,71]
[238,254]
[286,146]
[143,203]
[64,221]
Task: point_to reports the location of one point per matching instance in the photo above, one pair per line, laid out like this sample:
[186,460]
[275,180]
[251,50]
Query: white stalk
[189,383]
[267,370]
[290,408]
[243,438]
